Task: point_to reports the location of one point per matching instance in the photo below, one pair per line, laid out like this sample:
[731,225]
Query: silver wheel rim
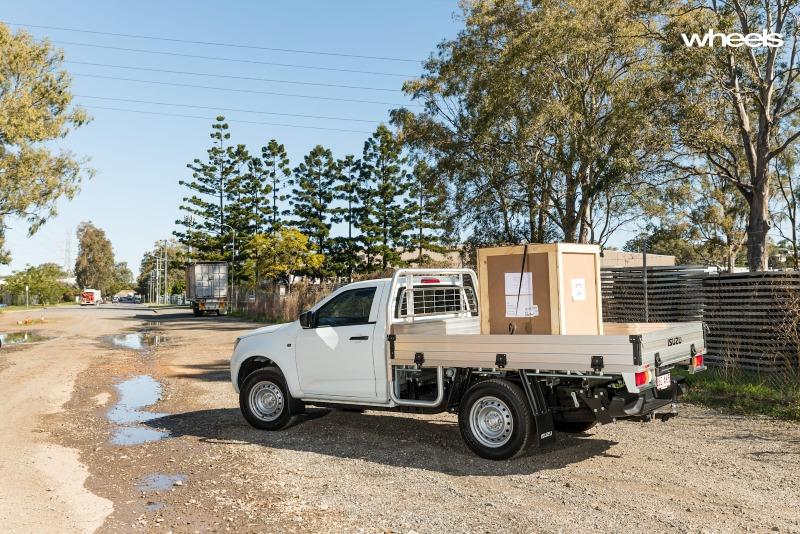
[491,422]
[266,401]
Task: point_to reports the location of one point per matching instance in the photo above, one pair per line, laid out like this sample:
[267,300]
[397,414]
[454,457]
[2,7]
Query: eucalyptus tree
[736,106]
[36,112]
[538,110]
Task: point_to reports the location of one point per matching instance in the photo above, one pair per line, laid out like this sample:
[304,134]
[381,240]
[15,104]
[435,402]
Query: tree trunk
[758,224]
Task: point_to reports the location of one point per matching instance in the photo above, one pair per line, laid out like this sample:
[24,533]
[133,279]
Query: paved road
[75,406]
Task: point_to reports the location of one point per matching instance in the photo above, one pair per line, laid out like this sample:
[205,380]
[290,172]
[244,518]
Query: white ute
[413,343]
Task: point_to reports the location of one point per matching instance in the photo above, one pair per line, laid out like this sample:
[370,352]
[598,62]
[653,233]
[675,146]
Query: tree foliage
[177,258]
[35,110]
[94,266]
[283,254]
[204,228]
[735,107]
[46,284]
[313,192]
[545,116]
[386,209]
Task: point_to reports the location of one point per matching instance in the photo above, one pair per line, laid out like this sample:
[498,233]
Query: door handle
[359,338]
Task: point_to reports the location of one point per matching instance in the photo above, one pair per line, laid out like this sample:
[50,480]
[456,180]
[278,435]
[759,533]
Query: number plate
[663,381]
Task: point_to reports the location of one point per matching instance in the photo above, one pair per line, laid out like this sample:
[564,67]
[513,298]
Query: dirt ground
[62,470]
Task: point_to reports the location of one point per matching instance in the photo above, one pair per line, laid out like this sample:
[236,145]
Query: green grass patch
[740,392]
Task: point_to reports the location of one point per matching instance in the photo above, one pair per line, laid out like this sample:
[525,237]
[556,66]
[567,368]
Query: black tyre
[573,427]
[495,419]
[197,312]
[265,401]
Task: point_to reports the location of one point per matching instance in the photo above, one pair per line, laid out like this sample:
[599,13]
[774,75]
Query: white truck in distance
[207,287]
[413,343]
[91,297]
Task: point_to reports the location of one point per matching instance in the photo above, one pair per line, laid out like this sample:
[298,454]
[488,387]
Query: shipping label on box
[578,289]
[519,295]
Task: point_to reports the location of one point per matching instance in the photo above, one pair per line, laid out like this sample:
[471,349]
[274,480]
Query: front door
[334,358]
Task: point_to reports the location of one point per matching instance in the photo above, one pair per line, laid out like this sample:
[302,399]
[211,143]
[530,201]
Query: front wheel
[265,401]
[495,419]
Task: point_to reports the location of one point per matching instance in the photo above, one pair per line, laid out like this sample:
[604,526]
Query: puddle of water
[160,482]
[135,394]
[141,341]
[21,337]
[136,435]
[154,506]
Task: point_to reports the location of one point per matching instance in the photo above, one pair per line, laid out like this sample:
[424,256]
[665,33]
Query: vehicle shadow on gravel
[433,445]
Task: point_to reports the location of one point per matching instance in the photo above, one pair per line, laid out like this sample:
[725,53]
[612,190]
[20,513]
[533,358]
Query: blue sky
[139,158]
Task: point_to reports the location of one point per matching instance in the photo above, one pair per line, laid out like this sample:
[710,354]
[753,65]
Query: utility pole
[158,280]
[166,272]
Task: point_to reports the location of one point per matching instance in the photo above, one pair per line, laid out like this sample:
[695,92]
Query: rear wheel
[197,312]
[265,401]
[495,419]
[573,427]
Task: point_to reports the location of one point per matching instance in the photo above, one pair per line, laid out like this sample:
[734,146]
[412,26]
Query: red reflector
[430,281]
[698,361]
[642,378]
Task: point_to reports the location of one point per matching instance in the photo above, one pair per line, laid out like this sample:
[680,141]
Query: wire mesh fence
[753,319]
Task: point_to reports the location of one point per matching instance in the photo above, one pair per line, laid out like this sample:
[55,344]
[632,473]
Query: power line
[232,77]
[212,43]
[235,60]
[212,108]
[253,91]
[143,112]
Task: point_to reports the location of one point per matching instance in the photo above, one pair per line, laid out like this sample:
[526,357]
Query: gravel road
[338,471]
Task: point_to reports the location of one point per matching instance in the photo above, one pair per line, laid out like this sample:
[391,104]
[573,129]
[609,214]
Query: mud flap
[542,416]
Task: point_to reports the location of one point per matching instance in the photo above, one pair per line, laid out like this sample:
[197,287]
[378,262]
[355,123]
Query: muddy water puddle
[139,341]
[128,413]
[21,338]
[160,482]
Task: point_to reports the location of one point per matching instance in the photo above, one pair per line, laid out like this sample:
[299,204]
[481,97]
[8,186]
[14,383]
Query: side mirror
[307,319]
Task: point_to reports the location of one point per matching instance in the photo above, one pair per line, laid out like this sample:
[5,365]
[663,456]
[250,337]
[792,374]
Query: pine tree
[314,184]
[343,256]
[241,214]
[276,164]
[206,217]
[385,214]
[432,228]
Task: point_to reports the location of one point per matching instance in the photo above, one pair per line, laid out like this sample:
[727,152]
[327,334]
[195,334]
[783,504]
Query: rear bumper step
[649,403]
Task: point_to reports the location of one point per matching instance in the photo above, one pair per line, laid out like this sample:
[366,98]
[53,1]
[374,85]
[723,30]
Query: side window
[350,307]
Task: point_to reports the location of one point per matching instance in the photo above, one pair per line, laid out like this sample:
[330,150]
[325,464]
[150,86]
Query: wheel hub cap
[266,401]
[491,422]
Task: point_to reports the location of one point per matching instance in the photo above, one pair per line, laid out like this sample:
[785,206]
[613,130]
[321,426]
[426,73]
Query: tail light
[697,361]
[642,378]
[430,281]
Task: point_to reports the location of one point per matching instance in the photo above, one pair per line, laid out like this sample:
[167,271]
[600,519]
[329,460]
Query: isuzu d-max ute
[413,343]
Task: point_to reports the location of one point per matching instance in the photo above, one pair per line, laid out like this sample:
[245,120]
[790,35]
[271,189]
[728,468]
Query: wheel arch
[253,363]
